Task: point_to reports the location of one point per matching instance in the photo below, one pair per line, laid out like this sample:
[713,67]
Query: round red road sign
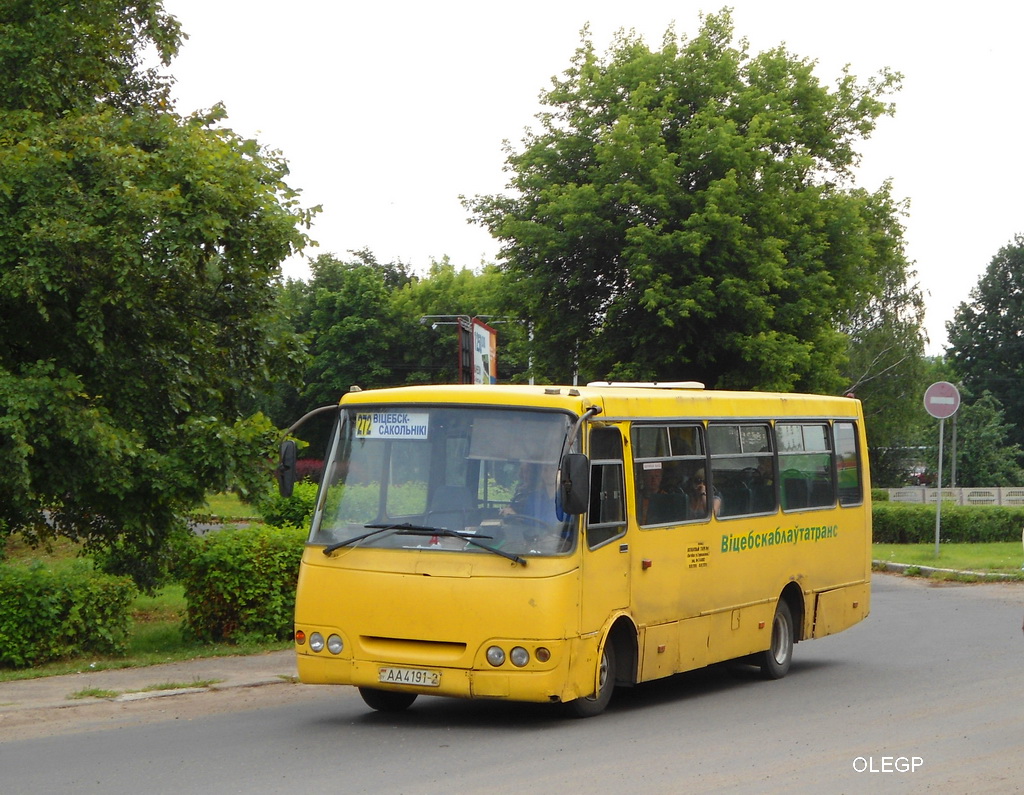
[941,400]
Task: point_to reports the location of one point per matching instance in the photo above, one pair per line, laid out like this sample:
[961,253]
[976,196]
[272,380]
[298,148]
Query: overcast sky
[387,112]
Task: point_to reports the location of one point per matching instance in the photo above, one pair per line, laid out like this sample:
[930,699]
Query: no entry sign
[941,400]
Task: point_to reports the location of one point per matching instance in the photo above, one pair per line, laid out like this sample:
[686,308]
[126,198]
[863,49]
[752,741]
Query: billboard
[485,353]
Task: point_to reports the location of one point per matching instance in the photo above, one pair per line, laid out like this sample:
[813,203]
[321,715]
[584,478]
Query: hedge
[294,511]
[47,615]
[240,583]
[909,523]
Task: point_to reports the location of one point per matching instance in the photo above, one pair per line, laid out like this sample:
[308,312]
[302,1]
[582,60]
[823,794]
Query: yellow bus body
[671,597]
[408,611]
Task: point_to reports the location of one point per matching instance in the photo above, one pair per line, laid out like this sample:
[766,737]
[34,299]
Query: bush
[294,511]
[240,583]
[150,562]
[47,615]
[879,495]
[907,523]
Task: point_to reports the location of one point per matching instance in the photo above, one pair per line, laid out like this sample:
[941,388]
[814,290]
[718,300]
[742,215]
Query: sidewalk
[131,684]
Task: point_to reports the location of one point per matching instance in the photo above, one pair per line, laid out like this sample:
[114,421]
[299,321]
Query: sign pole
[938,500]
[941,400]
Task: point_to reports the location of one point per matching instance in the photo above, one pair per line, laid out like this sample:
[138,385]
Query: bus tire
[590,706]
[386,700]
[775,660]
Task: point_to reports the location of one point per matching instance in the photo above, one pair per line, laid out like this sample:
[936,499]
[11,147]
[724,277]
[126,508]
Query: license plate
[410,676]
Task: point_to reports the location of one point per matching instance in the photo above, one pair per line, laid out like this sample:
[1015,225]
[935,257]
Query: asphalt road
[926,695]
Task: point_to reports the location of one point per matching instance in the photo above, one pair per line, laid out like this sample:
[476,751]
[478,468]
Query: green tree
[446,292]
[888,371]
[352,328]
[60,56]
[139,257]
[986,336]
[681,213]
[985,456]
[369,324]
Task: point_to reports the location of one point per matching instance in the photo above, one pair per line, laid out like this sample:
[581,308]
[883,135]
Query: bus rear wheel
[589,706]
[775,661]
[386,700]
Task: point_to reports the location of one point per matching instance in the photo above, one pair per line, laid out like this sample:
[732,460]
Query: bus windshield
[482,476]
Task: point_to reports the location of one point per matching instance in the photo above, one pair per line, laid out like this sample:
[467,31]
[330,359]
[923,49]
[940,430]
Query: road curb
[901,568]
[185,691]
[128,697]
[126,685]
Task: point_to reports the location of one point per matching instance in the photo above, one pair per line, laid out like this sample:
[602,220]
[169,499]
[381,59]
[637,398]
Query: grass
[54,552]
[997,558]
[96,692]
[227,508]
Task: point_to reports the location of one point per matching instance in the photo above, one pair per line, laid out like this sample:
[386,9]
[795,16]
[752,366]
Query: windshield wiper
[406,529]
[378,529]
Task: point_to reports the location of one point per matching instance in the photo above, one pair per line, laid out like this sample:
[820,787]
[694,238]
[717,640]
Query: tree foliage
[985,456]
[443,293]
[355,335]
[681,213]
[887,370]
[60,56]
[986,336]
[372,324]
[139,252]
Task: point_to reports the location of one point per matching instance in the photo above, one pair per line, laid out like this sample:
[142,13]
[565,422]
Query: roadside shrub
[149,571]
[906,523]
[879,495]
[240,583]
[294,511]
[47,615]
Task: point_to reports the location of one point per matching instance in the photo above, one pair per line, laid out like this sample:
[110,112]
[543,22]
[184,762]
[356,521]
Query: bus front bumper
[562,681]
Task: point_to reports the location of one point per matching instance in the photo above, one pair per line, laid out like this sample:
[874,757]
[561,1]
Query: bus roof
[622,401]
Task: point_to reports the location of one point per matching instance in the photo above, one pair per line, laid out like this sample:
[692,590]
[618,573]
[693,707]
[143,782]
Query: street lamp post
[464,349]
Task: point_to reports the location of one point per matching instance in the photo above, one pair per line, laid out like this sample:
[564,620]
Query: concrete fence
[919,494]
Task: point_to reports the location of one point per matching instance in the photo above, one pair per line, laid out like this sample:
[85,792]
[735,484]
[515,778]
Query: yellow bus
[547,544]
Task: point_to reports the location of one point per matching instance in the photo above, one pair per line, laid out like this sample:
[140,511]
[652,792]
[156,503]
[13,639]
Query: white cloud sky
[387,112]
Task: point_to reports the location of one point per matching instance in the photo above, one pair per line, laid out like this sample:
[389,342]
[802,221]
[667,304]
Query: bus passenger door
[606,555]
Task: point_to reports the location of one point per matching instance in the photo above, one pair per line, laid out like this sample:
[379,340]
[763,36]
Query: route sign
[941,400]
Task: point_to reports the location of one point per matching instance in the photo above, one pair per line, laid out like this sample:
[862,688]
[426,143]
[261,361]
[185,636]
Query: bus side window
[607,516]
[665,458]
[805,458]
[848,464]
[742,467]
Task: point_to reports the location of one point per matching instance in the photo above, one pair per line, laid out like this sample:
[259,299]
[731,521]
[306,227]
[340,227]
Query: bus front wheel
[386,700]
[775,661]
[589,706]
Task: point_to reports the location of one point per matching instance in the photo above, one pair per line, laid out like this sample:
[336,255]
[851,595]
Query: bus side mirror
[574,480]
[285,471]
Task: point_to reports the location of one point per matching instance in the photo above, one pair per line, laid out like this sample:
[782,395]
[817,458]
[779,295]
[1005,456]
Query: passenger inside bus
[657,501]
[698,493]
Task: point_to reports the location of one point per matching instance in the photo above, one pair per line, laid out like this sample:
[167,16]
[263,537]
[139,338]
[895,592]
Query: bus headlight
[335,644]
[495,656]
[519,656]
[316,642]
